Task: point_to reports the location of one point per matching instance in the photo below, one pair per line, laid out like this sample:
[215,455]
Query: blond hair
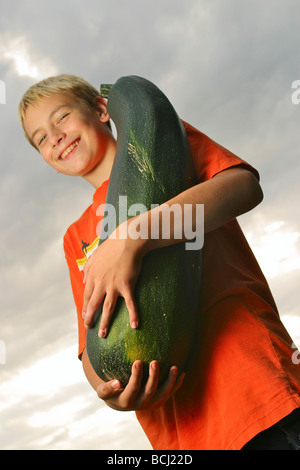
[64,83]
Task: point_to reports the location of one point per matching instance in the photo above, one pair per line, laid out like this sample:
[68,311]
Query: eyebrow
[57,108]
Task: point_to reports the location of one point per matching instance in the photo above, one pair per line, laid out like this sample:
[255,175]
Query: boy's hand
[133,397]
[112,271]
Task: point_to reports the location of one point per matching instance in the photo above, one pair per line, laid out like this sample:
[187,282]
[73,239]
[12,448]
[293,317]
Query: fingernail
[134,325]
[102,333]
[137,365]
[115,384]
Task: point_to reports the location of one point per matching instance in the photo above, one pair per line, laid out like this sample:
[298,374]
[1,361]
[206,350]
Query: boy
[241,386]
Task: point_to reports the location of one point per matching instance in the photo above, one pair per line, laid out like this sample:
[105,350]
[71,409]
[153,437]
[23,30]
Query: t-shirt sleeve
[76,278]
[211,158]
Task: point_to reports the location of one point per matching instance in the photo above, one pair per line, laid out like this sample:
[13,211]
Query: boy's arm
[115,266]
[133,396]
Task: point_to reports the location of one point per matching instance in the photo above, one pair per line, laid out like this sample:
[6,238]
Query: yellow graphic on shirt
[88,250]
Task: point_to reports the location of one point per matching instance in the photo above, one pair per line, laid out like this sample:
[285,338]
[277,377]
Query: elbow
[253,189]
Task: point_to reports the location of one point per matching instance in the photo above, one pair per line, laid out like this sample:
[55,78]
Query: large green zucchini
[153,163]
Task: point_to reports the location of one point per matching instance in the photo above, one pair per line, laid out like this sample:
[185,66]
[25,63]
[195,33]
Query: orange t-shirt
[241,379]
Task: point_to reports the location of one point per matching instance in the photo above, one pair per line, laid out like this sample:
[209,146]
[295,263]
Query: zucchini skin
[153,163]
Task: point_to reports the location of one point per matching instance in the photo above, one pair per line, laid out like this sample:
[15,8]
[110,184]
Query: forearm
[116,263]
[224,197]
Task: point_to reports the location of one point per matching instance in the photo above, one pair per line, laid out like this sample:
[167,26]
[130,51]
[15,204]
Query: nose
[58,140]
[56,137]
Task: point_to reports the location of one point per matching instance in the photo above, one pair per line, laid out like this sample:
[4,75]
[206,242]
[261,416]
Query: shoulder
[193,132]
[200,142]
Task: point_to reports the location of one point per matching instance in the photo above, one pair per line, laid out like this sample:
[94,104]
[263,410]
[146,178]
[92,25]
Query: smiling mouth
[68,150]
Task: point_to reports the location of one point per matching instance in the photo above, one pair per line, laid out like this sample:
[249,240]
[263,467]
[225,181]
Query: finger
[178,382]
[132,309]
[158,396]
[85,271]
[87,268]
[88,291]
[152,382]
[133,387]
[108,389]
[169,384]
[165,390]
[107,312]
[173,383]
[150,387]
[93,304]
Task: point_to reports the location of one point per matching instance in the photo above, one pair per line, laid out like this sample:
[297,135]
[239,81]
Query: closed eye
[42,139]
[63,117]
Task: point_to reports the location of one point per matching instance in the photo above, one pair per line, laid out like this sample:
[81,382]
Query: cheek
[94,142]
[46,157]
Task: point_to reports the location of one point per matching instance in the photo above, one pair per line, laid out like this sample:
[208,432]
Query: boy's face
[70,137]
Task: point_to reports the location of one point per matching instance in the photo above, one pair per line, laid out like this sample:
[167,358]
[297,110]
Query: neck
[102,172]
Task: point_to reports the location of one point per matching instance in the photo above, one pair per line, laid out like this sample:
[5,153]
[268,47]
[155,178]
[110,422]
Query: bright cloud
[42,377]
[66,416]
[23,59]
[292,324]
[276,247]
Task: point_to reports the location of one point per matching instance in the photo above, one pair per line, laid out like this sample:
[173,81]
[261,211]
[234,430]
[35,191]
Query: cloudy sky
[228,68]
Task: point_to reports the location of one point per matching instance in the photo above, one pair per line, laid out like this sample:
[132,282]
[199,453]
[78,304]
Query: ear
[100,104]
